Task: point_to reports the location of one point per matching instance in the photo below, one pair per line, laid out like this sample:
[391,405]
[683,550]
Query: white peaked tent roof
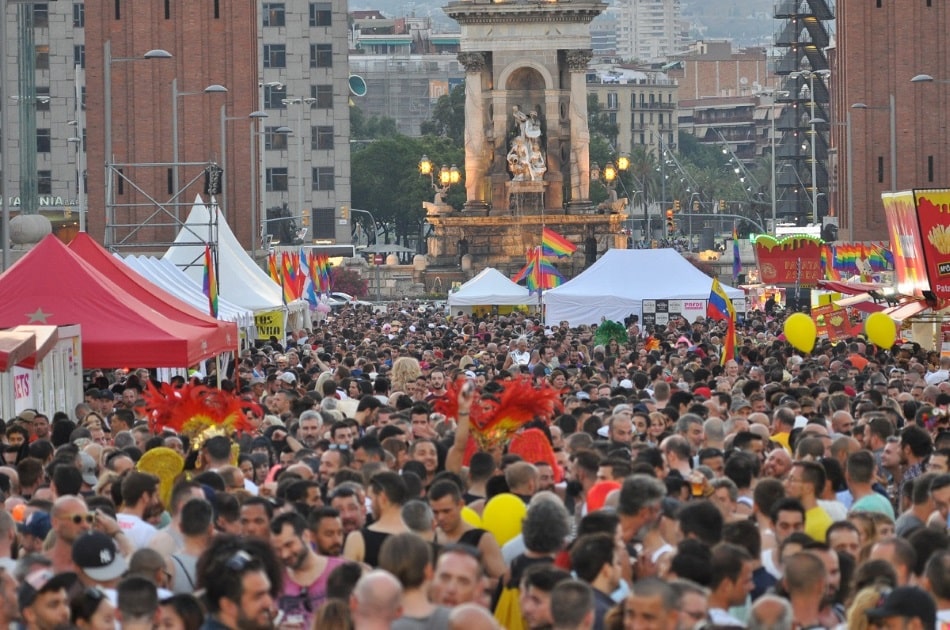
[240,280]
[173,279]
[490,287]
[616,285]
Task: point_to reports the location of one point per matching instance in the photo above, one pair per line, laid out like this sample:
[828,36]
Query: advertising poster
[791,261]
[906,243]
[933,216]
[832,321]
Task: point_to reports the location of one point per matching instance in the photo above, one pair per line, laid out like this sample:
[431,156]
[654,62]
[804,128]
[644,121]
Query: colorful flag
[273,268]
[210,284]
[538,273]
[288,278]
[553,244]
[736,259]
[720,308]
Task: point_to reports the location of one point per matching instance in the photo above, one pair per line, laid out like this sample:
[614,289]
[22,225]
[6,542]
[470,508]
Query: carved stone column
[477,152]
[577,61]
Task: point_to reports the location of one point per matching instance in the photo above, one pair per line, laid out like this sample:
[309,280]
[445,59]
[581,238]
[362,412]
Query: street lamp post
[813,121]
[300,102]
[108,60]
[224,119]
[211,89]
[893,128]
[262,176]
[441,180]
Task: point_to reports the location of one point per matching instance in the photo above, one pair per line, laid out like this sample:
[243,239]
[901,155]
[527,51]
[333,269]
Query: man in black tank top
[388,492]
[445,499]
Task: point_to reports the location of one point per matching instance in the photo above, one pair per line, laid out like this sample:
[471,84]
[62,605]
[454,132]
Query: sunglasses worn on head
[239,561]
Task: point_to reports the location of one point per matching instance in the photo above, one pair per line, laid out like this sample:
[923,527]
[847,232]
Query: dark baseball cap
[98,557]
[907,602]
[36,524]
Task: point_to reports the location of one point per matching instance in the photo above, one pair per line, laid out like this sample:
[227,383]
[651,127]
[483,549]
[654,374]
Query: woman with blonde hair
[405,370]
[866,599]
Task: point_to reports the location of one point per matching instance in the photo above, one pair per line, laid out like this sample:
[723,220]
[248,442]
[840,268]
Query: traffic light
[676,205]
[722,205]
[696,205]
[670,223]
[345,213]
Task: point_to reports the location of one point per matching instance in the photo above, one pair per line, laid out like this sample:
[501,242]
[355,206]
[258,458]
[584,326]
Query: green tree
[371,127]
[385,180]
[448,117]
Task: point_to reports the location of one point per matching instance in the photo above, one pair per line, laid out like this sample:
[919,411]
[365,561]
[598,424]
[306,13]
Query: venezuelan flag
[210,284]
[720,308]
[553,244]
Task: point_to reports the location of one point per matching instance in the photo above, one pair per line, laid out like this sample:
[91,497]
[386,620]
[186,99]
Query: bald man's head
[377,598]
[472,617]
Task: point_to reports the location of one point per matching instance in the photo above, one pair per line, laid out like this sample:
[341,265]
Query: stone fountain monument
[527,141]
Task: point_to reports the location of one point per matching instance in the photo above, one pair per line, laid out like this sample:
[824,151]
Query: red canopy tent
[52,285]
[140,288]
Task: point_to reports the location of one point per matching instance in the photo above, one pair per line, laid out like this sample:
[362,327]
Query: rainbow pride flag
[210,283]
[553,244]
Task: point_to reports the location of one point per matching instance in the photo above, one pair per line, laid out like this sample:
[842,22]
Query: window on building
[612,100]
[44,140]
[82,96]
[323,95]
[321,55]
[44,182]
[321,138]
[274,14]
[277,179]
[273,98]
[42,57]
[274,141]
[323,178]
[322,223]
[275,56]
[79,55]
[79,15]
[42,98]
[40,15]
[320,13]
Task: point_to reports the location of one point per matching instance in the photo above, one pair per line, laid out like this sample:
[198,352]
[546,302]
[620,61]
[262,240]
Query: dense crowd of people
[670,490]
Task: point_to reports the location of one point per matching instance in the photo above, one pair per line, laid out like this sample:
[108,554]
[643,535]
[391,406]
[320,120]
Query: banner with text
[933,217]
[791,261]
[269,324]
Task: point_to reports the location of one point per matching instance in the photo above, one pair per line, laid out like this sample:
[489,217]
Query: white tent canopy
[240,280]
[616,285]
[490,288]
[171,278]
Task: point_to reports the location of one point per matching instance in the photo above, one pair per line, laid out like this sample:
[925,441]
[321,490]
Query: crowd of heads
[769,490]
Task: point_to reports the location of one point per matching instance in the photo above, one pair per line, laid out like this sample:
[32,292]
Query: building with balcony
[642,103]
[649,30]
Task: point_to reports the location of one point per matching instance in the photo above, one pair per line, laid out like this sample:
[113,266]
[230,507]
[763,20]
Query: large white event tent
[165,274]
[489,288]
[240,280]
[616,285]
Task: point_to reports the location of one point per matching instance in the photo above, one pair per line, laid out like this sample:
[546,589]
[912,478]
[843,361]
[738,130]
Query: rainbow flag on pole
[539,273]
[210,283]
[553,244]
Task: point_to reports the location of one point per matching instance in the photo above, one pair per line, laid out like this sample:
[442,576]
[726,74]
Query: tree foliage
[367,128]
[448,117]
[348,281]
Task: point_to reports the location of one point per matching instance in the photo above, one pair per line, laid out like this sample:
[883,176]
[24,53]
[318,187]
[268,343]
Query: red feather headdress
[194,409]
[495,420]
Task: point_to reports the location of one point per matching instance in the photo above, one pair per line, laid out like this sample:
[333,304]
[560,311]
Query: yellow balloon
[471,517]
[503,515]
[801,332]
[881,330]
